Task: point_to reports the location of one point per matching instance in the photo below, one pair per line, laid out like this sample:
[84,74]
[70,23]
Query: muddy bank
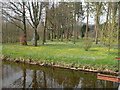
[57,65]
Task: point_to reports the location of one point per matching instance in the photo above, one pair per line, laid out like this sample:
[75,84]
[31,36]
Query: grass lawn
[65,53]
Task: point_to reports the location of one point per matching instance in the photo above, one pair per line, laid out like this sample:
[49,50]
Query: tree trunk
[106,25]
[67,35]
[82,35]
[97,19]
[62,35]
[77,35]
[24,24]
[114,11]
[74,34]
[44,33]
[74,31]
[35,37]
[35,11]
[25,38]
[119,38]
[52,36]
[96,33]
[87,20]
[58,35]
[48,36]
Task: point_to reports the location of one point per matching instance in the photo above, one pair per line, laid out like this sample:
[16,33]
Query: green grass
[65,53]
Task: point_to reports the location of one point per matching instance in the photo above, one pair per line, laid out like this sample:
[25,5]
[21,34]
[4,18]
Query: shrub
[87,43]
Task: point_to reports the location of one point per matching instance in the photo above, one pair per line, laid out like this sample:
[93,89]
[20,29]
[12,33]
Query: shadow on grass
[113,53]
[56,45]
[61,45]
[47,45]
[93,50]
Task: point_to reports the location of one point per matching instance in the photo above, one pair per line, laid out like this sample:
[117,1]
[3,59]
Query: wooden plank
[108,78]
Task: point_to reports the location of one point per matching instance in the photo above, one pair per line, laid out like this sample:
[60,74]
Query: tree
[87,19]
[51,20]
[77,13]
[35,12]
[83,30]
[104,26]
[109,31]
[111,24]
[119,37]
[45,22]
[98,9]
[21,16]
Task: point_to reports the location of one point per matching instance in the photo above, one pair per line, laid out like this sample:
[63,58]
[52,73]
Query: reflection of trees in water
[88,83]
[44,76]
[11,76]
[66,81]
[72,80]
[24,78]
[46,80]
[21,81]
[8,70]
[35,83]
[106,84]
[54,78]
[39,79]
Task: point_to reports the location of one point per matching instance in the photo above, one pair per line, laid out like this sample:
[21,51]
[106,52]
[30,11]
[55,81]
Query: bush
[87,43]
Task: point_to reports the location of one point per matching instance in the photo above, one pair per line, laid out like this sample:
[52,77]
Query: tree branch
[40,12]
[29,22]
[16,7]
[29,9]
[13,22]
[7,14]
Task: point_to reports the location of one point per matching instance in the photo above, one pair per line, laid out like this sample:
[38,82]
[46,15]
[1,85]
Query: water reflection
[26,76]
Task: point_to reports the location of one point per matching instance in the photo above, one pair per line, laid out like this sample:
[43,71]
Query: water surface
[16,75]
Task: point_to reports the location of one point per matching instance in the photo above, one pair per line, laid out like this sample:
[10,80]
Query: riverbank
[63,55]
[58,66]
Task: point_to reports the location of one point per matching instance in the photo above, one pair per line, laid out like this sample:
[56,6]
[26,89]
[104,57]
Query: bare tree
[35,12]
[97,19]
[45,22]
[18,8]
[87,20]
